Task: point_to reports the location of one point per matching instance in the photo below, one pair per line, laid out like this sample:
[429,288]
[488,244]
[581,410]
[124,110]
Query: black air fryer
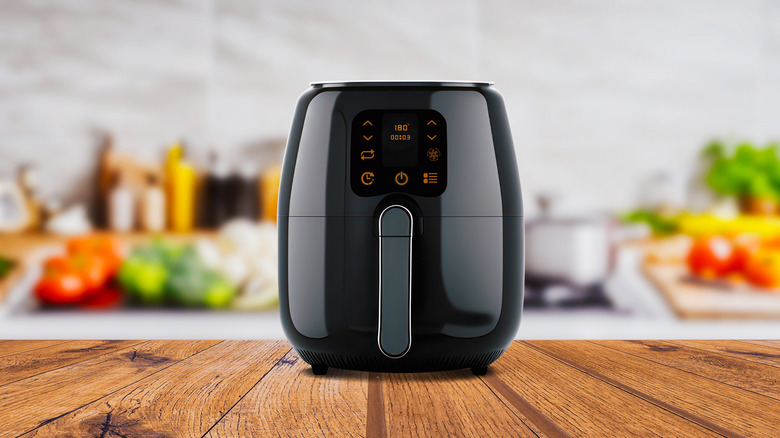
[400,227]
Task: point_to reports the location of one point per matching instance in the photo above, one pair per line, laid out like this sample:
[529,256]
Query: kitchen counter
[262,388]
[640,313]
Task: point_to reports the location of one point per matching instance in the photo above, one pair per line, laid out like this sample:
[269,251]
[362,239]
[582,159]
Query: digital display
[398,151]
[399,140]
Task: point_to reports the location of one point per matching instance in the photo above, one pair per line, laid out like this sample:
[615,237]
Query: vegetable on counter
[144,273]
[743,257]
[86,269]
[660,225]
[6,265]
[236,269]
[161,272]
[749,173]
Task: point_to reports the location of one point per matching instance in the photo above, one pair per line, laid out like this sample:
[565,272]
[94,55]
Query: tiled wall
[601,94]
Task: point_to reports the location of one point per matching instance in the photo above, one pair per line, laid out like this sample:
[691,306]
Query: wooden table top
[262,388]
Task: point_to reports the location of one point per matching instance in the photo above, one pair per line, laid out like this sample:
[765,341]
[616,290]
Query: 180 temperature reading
[402,127]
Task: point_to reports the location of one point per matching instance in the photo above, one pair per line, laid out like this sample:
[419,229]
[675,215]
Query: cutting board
[691,299]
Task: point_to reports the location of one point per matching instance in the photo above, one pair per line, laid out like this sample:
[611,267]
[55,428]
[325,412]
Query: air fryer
[400,227]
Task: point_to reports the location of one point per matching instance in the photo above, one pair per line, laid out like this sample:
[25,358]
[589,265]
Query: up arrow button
[431,121]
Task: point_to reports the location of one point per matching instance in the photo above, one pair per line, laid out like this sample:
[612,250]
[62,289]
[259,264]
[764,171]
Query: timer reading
[399,140]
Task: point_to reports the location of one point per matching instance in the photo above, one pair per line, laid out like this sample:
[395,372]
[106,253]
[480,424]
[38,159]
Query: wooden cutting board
[692,299]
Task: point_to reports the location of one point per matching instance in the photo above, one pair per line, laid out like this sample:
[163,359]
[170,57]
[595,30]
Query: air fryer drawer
[457,275]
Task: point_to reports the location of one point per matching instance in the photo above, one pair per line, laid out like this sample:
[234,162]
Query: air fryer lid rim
[379,83]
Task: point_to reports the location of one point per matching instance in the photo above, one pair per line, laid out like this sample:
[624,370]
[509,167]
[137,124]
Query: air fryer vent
[369,363]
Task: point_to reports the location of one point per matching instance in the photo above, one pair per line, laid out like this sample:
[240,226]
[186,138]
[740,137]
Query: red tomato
[763,269]
[105,247]
[57,264]
[106,298]
[94,271]
[93,245]
[745,245]
[60,289]
[711,257]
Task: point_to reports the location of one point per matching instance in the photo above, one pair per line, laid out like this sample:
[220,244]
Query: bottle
[216,210]
[14,215]
[269,192]
[243,193]
[153,205]
[105,168]
[180,190]
[28,181]
[121,204]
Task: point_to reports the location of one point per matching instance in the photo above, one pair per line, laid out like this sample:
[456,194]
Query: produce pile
[237,269]
[741,257]
[83,275]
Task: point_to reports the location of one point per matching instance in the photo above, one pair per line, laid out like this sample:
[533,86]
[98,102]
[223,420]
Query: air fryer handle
[395,281]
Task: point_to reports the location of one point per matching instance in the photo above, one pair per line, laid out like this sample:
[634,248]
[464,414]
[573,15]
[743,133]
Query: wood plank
[764,342]
[697,398]
[452,403]
[376,426]
[534,418]
[34,401]
[186,399]
[741,350]
[8,348]
[30,363]
[291,401]
[582,405]
[752,376]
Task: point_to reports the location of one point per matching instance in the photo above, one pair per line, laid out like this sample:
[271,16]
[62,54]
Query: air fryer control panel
[398,151]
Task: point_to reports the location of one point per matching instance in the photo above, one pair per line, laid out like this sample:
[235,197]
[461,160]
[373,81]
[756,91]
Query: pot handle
[394,336]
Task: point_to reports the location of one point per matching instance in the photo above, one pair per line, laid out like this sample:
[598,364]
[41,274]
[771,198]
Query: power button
[401,178]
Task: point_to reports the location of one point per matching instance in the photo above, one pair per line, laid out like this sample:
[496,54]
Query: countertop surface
[262,388]
[640,311]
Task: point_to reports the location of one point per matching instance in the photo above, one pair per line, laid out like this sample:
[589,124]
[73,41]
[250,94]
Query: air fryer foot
[479,371]
[319,369]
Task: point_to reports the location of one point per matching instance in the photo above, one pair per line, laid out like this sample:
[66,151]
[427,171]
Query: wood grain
[376,426]
[764,342]
[582,405]
[291,401]
[756,377]
[30,403]
[262,388]
[187,398]
[452,403]
[8,348]
[742,350]
[30,363]
[712,404]
[539,423]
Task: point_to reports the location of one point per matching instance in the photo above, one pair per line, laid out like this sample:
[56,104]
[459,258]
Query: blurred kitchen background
[140,143]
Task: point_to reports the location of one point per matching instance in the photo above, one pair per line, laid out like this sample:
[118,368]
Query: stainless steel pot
[576,251]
